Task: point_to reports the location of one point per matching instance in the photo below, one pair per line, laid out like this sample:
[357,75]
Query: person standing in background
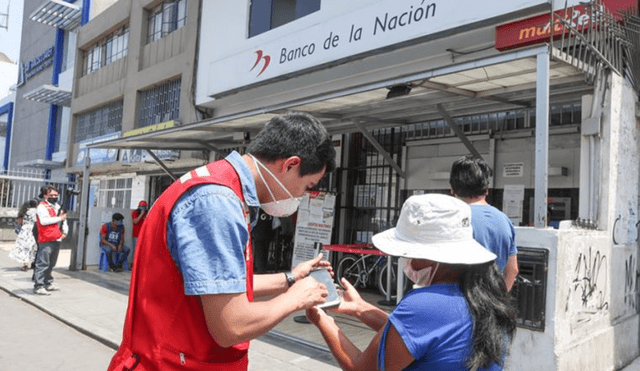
[138,217]
[469,181]
[49,237]
[26,248]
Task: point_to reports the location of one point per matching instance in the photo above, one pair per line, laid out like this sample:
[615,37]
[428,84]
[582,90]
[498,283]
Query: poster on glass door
[314,224]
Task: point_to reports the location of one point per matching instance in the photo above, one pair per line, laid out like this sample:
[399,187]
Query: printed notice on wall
[513,170]
[314,224]
[512,202]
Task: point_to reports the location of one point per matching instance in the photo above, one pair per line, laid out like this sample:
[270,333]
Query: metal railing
[19,185]
[598,40]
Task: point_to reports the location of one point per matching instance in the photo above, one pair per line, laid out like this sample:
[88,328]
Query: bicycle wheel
[382,280]
[351,269]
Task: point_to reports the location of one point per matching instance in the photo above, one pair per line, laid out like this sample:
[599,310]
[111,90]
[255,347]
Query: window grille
[530,289]
[106,51]
[166,18]
[160,103]
[115,193]
[494,122]
[101,121]
[373,191]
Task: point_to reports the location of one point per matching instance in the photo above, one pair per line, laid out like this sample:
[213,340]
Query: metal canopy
[58,13]
[42,164]
[50,94]
[502,83]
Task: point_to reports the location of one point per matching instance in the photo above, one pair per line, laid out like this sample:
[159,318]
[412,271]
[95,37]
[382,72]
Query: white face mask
[422,277]
[281,208]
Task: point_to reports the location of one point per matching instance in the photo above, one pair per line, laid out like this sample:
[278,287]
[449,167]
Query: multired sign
[538,29]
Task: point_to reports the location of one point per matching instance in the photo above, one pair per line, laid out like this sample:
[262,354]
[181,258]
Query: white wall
[428,161]
[593,289]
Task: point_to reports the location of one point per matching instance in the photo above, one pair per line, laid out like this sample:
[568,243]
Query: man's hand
[64,236]
[302,270]
[308,292]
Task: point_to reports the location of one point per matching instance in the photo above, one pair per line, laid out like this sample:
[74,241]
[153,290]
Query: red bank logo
[259,58]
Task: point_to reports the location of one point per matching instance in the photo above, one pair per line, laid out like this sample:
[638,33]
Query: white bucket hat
[434,227]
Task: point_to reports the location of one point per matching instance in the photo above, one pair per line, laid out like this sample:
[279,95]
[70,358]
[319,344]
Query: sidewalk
[95,303]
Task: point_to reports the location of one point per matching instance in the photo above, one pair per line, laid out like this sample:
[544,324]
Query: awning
[501,83]
[42,164]
[59,14]
[50,94]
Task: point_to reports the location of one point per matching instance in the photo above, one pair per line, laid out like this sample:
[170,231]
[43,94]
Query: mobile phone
[322,275]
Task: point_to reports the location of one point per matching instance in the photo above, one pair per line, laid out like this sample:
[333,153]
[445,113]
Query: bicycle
[359,270]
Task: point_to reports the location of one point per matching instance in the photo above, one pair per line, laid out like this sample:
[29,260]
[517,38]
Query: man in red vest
[49,237]
[192,287]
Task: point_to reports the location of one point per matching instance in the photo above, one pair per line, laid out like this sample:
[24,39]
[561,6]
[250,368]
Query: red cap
[142,203]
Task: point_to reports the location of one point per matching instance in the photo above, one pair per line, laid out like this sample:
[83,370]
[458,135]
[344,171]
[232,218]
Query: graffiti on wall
[587,294]
[625,228]
[631,275]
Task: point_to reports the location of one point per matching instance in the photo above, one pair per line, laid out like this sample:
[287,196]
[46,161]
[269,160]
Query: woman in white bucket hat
[457,320]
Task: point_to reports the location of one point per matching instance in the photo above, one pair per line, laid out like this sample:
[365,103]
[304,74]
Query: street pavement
[94,303]
[33,340]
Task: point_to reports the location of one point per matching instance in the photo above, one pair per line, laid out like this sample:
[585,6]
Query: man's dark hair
[470,176]
[43,190]
[46,189]
[117,217]
[296,134]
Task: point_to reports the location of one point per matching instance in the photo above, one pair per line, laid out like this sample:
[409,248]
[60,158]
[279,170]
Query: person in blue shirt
[459,319]
[469,180]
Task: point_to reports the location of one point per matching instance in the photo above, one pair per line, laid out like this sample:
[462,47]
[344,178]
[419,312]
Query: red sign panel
[538,29]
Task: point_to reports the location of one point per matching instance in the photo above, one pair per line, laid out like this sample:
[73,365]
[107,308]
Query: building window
[159,104]
[101,121]
[269,14]
[166,18]
[115,193]
[106,51]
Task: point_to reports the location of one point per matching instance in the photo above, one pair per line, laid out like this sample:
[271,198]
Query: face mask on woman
[422,277]
[281,208]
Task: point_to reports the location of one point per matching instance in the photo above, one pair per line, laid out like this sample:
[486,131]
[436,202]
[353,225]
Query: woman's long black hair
[25,206]
[493,314]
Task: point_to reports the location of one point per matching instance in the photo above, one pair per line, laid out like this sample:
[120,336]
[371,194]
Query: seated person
[112,242]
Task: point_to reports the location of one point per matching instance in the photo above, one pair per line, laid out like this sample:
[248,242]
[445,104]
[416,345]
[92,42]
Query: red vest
[165,329]
[51,232]
[135,231]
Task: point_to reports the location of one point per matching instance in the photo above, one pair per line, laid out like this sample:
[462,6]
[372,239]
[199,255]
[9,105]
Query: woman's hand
[315,314]
[350,300]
